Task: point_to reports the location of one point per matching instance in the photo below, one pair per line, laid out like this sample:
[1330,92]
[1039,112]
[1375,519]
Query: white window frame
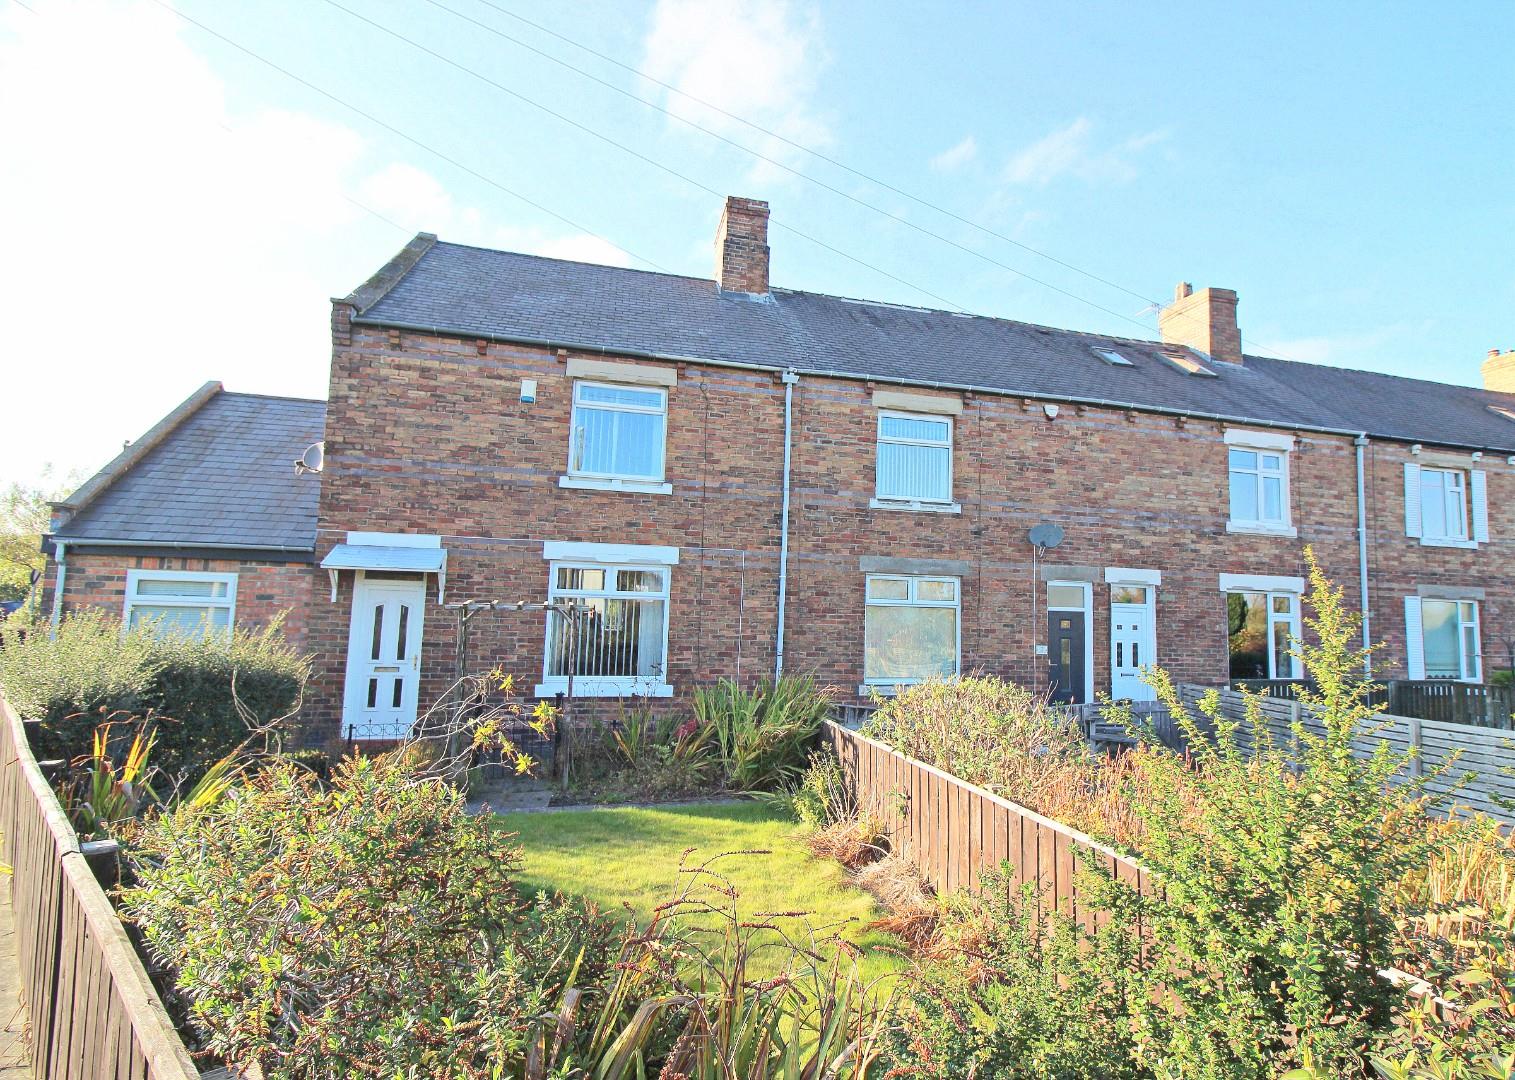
[229,601]
[1260,443]
[888,686]
[1292,618]
[882,500]
[577,477]
[1461,504]
[623,557]
[1475,675]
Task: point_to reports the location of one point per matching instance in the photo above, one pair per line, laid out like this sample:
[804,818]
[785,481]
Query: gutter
[790,379]
[831,373]
[85,541]
[1361,444]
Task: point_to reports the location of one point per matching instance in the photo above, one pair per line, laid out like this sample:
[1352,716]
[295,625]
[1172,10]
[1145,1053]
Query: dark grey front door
[1065,656]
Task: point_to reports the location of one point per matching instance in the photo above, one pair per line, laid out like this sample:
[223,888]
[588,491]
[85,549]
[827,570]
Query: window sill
[915,506]
[605,483]
[592,687]
[1468,545]
[1258,528]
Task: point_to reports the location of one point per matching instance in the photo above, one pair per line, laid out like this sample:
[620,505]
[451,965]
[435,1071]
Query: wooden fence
[1445,700]
[953,831]
[94,1013]
[1488,754]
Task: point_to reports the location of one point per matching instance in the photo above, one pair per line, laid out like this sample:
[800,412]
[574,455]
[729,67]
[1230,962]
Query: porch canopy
[393,552]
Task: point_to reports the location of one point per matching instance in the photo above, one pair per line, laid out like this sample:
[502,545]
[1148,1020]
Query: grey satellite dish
[1046,536]
[312,460]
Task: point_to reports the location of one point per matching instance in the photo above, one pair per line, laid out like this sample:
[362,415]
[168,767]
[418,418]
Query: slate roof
[453,288]
[223,477]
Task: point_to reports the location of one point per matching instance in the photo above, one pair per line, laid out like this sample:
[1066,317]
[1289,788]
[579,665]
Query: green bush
[183,686]
[1023,993]
[761,736]
[369,929]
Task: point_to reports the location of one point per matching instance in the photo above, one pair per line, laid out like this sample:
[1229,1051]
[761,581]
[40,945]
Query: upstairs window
[914,458]
[1259,487]
[618,432]
[1443,504]
[910,629]
[181,603]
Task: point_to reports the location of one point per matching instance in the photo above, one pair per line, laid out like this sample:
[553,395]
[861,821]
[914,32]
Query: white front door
[1131,649]
[383,657]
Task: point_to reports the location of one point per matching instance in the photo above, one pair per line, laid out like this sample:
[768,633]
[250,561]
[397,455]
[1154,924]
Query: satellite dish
[312,460]
[1046,536]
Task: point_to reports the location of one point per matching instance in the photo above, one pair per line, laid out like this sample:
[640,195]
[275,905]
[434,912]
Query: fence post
[1417,764]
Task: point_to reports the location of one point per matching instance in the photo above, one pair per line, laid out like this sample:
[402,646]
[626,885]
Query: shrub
[761,736]
[1278,871]
[182,686]
[368,929]
[1023,993]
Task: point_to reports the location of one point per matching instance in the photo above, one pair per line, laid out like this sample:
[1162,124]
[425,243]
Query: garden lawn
[630,856]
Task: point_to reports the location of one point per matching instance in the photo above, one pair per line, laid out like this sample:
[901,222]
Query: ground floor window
[1449,635]
[181,602]
[1260,629]
[910,629]
[617,642]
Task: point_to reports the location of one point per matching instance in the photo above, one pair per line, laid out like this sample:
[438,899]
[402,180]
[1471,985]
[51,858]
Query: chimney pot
[741,247]
[1203,320]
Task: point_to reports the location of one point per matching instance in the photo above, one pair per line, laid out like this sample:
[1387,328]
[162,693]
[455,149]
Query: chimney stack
[1499,371]
[741,247]
[1203,320]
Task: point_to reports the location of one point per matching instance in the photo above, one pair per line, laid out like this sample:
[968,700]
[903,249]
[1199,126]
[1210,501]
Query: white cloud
[756,59]
[955,157]
[1072,151]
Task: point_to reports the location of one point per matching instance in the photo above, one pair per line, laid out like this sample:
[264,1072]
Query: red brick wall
[427,434]
[265,590]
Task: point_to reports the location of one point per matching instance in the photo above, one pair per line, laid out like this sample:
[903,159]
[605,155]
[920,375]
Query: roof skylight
[1110,356]
[1506,411]
[1185,361]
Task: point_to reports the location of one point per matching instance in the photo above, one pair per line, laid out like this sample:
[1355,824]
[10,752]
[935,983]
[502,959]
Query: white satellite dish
[312,460]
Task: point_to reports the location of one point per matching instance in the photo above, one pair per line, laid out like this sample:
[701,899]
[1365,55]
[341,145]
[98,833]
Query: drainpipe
[1361,442]
[61,552]
[789,378]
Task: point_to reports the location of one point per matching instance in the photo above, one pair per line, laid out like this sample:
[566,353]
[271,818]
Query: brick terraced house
[734,479]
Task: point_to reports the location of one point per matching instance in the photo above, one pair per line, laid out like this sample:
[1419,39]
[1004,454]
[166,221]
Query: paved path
[13,1054]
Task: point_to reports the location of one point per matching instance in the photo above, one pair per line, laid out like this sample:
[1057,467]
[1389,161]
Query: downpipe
[789,378]
[1361,443]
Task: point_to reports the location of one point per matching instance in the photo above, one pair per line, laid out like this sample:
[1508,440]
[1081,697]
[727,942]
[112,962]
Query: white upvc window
[617,643]
[910,629]
[181,602]
[618,433]
[1258,472]
[914,460]
[1442,639]
[1261,628]
[1443,504]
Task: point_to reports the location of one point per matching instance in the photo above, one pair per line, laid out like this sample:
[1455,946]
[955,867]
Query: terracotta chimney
[1499,371]
[741,247]
[1204,320]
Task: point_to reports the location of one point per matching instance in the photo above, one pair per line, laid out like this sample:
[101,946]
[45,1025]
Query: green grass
[630,856]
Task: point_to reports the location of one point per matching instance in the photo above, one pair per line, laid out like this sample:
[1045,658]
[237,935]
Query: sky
[184,184]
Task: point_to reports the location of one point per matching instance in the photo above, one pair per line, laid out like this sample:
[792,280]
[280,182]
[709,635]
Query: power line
[897,218]
[491,181]
[900,219]
[886,185]
[570,121]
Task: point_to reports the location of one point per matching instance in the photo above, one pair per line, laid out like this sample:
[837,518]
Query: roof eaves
[134,452]
[390,274]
